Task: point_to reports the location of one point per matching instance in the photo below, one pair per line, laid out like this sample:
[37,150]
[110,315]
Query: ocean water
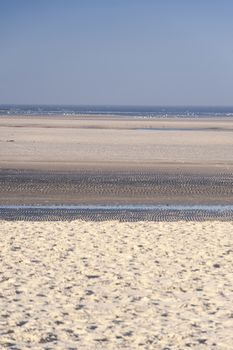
[118,111]
[131,207]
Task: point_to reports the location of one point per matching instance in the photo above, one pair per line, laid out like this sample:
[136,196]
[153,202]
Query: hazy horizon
[117,105]
[120,53]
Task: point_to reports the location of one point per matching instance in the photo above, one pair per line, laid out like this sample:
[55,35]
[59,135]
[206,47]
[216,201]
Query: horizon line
[114,105]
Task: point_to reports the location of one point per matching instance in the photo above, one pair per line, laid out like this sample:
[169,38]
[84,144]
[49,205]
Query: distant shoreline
[118,111]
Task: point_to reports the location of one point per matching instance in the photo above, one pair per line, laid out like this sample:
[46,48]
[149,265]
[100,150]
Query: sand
[101,143]
[103,160]
[111,285]
[114,188]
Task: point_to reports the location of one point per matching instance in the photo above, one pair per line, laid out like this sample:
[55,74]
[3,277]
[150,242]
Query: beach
[116,175]
[79,269]
[106,143]
[105,160]
[111,285]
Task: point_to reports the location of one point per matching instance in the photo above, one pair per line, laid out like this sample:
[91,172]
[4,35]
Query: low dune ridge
[109,285]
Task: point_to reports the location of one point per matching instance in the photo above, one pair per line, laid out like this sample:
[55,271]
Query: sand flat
[111,285]
[84,160]
[58,143]
[129,187]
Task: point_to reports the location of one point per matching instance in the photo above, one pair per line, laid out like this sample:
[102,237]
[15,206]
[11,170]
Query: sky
[116,52]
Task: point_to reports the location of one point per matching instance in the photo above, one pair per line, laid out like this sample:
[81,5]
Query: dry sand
[111,285]
[58,143]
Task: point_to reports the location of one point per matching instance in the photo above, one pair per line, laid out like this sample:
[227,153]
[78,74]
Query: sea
[118,111]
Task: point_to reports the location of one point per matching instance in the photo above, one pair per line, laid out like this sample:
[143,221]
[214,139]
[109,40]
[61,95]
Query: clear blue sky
[131,52]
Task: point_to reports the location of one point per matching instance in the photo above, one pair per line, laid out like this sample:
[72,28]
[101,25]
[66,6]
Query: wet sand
[111,285]
[90,160]
[123,213]
[114,188]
